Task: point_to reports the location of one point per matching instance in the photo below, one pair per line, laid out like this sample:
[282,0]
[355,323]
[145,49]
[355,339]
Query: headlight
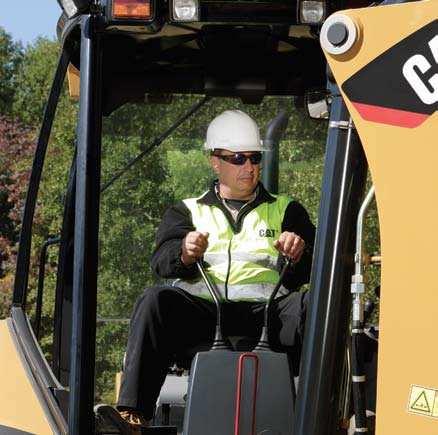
[185,10]
[312,11]
[74,7]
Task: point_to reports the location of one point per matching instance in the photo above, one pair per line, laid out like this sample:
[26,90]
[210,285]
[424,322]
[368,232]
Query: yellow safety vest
[242,265]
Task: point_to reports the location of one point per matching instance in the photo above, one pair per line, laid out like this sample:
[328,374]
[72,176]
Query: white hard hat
[233,130]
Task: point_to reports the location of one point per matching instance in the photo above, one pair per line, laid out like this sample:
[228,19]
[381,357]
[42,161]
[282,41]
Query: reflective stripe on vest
[245,261]
[215,258]
[240,292]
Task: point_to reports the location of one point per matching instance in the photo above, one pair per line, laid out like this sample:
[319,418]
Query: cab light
[312,11]
[185,10]
[132,9]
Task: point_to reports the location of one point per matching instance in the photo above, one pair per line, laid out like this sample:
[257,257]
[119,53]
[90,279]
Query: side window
[46,237]
[20,138]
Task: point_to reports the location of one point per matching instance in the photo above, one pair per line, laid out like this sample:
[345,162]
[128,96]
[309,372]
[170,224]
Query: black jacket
[177,222]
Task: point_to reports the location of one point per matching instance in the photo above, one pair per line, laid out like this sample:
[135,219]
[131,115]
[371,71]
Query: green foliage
[10,59]
[130,211]
[190,173]
[34,79]
[111,340]
[301,161]
[371,242]
[16,149]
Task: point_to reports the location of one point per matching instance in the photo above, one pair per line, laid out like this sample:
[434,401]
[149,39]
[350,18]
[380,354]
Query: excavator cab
[370,71]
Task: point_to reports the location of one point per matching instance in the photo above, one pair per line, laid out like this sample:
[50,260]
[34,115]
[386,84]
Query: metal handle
[219,342]
[263,344]
[211,288]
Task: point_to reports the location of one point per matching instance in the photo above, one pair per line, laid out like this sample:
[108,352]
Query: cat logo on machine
[399,87]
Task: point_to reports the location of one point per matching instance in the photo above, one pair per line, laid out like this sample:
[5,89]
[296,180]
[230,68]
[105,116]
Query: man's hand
[291,245]
[194,245]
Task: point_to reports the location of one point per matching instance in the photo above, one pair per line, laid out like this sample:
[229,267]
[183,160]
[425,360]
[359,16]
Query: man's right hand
[194,245]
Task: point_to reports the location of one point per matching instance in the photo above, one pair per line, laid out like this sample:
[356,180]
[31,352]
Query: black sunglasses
[240,158]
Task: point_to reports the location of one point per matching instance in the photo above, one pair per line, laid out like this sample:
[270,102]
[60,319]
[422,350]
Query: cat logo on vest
[267,232]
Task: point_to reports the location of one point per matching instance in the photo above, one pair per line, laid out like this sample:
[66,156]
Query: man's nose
[248,165]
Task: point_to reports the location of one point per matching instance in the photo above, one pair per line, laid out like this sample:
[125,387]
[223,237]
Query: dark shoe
[109,420]
[134,418]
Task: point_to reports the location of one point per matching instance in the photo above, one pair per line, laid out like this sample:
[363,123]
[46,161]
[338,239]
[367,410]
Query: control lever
[219,342]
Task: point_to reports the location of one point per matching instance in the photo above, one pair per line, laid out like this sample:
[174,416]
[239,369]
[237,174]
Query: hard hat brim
[237,148]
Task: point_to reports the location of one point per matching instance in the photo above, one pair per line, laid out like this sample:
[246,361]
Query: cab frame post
[330,299]
[81,418]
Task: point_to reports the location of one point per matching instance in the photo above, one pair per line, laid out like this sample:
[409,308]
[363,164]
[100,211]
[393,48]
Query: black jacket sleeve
[166,258]
[297,220]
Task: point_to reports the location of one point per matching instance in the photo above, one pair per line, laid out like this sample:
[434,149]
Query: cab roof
[248,61]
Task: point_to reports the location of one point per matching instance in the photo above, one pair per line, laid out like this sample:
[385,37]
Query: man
[243,235]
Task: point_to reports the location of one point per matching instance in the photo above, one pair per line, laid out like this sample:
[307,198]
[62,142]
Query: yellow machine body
[402,151]
[20,408]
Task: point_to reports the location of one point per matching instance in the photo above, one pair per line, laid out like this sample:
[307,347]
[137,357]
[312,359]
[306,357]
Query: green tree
[10,59]
[16,148]
[34,79]
[189,173]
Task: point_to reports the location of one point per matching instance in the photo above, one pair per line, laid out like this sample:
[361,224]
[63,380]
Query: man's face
[239,180]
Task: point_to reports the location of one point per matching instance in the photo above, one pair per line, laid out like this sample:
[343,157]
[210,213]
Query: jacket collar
[211,197]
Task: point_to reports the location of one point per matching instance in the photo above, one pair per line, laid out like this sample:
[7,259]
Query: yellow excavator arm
[385,61]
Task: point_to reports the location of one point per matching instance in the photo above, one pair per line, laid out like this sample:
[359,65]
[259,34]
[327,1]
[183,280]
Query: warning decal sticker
[399,87]
[423,401]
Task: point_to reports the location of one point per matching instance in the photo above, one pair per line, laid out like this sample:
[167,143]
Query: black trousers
[167,320]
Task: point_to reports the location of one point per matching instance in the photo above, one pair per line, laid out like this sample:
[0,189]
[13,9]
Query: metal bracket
[343,125]
[357,288]
[357,284]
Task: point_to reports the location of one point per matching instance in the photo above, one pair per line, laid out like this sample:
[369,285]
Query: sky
[25,20]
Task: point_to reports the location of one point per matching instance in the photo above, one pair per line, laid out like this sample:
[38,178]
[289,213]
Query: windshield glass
[133,205]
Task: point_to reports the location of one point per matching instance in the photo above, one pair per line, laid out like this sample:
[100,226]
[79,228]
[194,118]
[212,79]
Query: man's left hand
[290,245]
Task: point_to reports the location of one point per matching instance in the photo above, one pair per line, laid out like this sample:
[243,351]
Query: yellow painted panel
[73,82]
[404,167]
[19,406]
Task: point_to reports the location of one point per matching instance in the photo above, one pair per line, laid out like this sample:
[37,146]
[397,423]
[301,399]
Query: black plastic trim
[64,283]
[81,416]
[66,27]
[41,279]
[251,12]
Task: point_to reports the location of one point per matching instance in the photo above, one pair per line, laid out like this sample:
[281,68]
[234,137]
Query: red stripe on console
[384,115]
[247,355]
